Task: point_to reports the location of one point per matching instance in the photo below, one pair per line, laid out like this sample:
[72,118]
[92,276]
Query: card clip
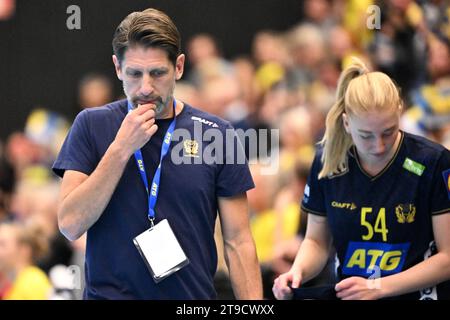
[152,222]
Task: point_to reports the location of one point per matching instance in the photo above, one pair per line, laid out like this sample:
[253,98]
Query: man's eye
[365,137]
[157,73]
[134,74]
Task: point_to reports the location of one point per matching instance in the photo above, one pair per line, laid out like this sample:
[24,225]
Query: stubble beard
[161,105]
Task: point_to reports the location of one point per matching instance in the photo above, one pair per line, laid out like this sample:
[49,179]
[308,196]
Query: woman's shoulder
[423,148]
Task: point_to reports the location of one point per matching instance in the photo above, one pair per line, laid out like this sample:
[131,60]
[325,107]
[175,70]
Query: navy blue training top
[187,198]
[382,225]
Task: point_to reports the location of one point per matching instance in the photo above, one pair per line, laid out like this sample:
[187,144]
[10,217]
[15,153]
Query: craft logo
[344,205]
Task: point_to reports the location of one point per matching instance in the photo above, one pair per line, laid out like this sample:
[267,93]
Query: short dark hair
[150,28]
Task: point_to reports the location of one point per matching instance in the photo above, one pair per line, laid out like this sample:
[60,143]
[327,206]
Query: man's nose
[146,85]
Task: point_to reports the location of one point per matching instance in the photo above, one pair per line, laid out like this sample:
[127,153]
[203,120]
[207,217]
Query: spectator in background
[94,90]
[296,140]
[353,15]
[399,48]
[44,214]
[218,87]
[342,46]
[263,218]
[205,57]
[5,284]
[21,152]
[436,14]
[286,203]
[217,94]
[429,115]
[7,9]
[47,130]
[271,55]
[202,47]
[35,201]
[7,185]
[268,46]
[273,103]
[320,96]
[32,151]
[221,96]
[320,13]
[277,225]
[187,92]
[21,245]
[244,71]
[307,47]
[263,221]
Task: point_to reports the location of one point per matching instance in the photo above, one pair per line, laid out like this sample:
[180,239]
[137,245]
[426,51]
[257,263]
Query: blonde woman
[381,196]
[20,246]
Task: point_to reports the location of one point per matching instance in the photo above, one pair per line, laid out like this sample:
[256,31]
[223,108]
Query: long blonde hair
[359,91]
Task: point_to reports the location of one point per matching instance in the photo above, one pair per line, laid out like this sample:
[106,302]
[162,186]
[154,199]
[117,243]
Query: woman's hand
[358,288]
[281,289]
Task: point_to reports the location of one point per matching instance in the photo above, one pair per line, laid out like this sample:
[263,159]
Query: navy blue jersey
[187,198]
[382,225]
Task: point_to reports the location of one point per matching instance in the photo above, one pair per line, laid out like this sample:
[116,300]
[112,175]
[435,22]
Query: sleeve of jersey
[313,197]
[77,152]
[233,176]
[440,202]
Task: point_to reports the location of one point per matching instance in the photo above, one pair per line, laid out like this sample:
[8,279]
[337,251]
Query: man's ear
[179,66]
[117,67]
[345,121]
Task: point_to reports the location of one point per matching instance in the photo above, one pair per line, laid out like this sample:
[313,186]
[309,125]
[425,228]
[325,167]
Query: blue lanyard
[153,193]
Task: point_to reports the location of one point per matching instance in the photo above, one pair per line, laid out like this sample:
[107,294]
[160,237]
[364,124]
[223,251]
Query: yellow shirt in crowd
[263,227]
[31,284]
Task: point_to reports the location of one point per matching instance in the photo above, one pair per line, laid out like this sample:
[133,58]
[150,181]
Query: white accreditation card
[161,251]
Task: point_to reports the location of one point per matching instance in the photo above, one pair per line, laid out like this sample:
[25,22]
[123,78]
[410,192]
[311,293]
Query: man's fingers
[149,114]
[148,124]
[148,105]
[152,130]
[142,108]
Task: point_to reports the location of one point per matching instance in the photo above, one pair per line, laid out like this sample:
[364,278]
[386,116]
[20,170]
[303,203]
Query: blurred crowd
[288,83]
